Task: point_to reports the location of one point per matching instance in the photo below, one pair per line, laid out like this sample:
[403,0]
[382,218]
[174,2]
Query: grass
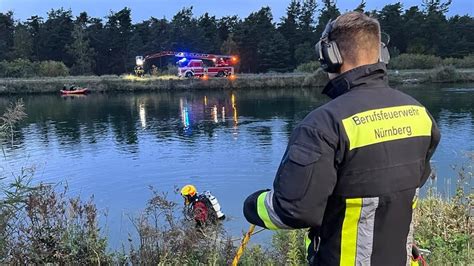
[128,83]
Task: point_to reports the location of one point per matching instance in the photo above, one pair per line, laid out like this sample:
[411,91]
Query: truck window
[196,64]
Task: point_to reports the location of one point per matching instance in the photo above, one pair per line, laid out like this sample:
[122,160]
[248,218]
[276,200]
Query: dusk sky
[144,9]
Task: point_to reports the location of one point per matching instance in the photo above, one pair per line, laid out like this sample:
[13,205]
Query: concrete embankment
[128,83]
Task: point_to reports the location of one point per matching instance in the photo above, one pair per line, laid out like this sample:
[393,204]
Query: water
[115,146]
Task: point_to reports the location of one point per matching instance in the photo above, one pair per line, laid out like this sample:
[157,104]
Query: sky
[144,9]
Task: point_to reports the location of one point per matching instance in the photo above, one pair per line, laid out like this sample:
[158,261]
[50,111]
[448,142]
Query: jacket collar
[374,75]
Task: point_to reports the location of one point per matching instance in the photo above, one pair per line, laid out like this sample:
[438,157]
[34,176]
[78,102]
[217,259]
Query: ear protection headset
[329,55]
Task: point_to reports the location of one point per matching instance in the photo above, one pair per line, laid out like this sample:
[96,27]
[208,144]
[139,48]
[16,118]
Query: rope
[242,246]
[256,232]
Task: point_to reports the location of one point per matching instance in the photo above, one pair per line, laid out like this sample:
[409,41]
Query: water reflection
[142,112]
[234,108]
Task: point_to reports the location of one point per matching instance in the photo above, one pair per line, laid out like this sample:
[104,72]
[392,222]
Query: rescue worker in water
[203,208]
[345,175]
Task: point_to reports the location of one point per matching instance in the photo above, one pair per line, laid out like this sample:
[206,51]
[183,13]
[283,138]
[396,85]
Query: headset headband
[327,30]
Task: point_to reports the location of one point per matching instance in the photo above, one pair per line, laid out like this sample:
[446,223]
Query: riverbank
[128,83]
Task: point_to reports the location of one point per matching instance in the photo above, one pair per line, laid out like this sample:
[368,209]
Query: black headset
[330,57]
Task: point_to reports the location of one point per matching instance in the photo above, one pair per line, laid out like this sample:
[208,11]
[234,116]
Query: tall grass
[444,226]
[14,114]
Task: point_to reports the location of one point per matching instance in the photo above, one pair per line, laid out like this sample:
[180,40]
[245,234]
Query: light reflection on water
[115,146]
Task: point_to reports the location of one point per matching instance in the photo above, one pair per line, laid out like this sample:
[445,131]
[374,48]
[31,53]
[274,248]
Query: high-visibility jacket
[351,171]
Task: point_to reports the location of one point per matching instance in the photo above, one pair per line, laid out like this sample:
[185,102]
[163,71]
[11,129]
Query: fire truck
[193,64]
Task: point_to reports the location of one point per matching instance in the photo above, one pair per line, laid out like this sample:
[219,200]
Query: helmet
[188,190]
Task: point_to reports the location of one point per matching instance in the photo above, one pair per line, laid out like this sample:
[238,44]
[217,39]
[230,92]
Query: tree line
[89,45]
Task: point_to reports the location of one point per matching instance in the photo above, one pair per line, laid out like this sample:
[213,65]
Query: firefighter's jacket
[350,172]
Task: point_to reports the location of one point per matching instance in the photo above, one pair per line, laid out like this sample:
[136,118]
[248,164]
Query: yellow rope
[242,245]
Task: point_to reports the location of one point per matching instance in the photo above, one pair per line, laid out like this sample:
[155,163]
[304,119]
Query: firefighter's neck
[361,61]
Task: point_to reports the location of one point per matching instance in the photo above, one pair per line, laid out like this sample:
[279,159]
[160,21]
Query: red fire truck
[194,64]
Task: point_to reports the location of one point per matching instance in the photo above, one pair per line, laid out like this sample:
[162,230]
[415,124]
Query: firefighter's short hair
[357,36]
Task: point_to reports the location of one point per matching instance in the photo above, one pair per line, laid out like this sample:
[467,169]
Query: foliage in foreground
[444,226]
[44,226]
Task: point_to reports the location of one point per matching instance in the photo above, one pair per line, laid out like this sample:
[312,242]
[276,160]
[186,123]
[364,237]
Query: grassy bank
[243,81]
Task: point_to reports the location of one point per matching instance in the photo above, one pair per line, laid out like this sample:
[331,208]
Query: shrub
[169,70]
[52,69]
[52,228]
[445,74]
[415,61]
[316,79]
[420,61]
[22,68]
[309,67]
[465,62]
[19,68]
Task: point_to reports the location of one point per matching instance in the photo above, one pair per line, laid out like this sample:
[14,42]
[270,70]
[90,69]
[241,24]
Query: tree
[306,21]
[140,38]
[249,35]
[55,35]
[304,53]
[80,50]
[413,18]
[6,34]
[22,42]
[361,7]
[289,29]
[274,54]
[34,24]
[460,38]
[390,18]
[118,30]
[210,39]
[185,34]
[99,42]
[435,18]
[226,26]
[328,11]
[87,44]
[229,46]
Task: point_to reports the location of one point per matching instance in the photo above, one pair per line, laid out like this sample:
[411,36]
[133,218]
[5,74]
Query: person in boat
[203,208]
[72,88]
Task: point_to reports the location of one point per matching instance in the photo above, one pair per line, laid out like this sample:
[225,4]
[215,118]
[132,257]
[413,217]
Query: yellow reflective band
[263,213]
[413,204]
[414,263]
[349,231]
[307,243]
[386,124]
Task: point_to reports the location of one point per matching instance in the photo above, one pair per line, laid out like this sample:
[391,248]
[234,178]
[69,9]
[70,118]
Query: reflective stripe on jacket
[351,170]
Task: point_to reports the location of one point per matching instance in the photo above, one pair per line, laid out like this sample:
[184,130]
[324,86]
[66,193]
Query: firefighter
[203,208]
[353,166]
